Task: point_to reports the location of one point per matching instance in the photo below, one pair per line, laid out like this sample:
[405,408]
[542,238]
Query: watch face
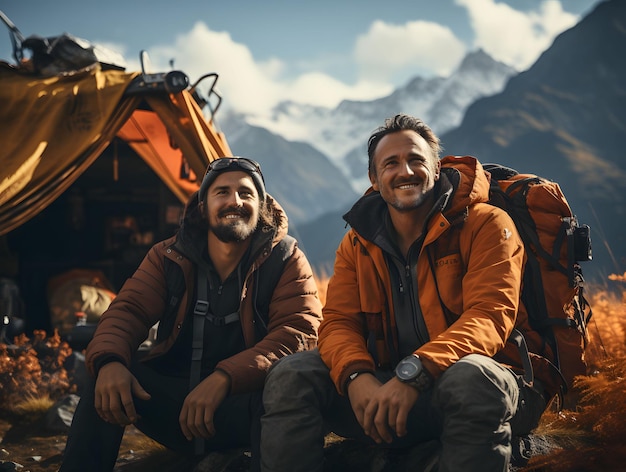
[407,370]
[411,371]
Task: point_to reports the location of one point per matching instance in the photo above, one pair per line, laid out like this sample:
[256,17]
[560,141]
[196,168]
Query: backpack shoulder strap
[175,282]
[175,287]
[266,279]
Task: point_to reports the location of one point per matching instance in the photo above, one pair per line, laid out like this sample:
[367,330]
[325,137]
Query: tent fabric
[175,127]
[146,134]
[52,129]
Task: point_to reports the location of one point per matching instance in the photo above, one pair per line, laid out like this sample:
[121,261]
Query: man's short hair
[397,123]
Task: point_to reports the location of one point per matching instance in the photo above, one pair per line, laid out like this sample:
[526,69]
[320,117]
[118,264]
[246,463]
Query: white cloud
[416,45]
[383,56]
[512,36]
[251,86]
[321,89]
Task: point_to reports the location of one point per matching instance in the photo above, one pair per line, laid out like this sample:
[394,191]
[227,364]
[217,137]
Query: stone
[59,417]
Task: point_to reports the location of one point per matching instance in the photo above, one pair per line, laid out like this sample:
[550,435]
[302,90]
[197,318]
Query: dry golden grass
[33,407]
[590,437]
[607,329]
[322,284]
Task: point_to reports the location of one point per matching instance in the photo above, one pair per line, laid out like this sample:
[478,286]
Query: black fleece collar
[367,215]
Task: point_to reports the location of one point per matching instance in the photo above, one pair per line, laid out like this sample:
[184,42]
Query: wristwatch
[411,371]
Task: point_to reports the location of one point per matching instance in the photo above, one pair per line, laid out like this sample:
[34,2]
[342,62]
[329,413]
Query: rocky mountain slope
[302,179]
[565,119]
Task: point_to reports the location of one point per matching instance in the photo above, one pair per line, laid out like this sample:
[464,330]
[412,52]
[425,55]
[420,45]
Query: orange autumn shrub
[33,368]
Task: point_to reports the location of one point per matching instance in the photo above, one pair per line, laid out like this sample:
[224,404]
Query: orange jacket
[470,262]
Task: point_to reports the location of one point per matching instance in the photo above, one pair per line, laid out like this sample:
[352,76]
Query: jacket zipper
[418,317]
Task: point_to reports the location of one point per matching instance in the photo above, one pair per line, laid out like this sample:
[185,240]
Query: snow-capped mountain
[341,133]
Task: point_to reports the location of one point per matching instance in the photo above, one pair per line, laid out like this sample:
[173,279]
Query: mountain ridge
[341,132]
[564,119]
[567,123]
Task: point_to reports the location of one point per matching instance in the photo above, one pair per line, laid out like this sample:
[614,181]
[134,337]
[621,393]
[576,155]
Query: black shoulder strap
[266,279]
[200,311]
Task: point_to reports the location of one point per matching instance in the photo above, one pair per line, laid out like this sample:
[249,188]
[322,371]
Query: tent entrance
[106,220]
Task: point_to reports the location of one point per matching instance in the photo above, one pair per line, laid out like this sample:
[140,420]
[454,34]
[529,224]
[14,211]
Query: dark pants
[469,411]
[93,444]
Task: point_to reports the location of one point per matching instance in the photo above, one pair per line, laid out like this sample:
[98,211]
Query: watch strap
[353,376]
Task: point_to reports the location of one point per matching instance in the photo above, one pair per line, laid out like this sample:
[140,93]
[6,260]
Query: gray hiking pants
[469,411]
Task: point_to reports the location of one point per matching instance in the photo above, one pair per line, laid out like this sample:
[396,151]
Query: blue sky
[314,52]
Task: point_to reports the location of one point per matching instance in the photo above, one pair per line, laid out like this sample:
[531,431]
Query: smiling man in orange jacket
[425,291]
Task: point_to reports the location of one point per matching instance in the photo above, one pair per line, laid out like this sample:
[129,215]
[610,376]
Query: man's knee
[478,369]
[295,376]
[294,365]
[479,379]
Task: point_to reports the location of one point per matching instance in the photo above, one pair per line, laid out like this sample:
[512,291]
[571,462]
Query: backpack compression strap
[266,280]
[517,338]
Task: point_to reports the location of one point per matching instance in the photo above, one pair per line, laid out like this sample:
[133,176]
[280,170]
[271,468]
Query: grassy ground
[588,438]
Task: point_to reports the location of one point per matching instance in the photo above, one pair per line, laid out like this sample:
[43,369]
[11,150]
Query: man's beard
[236,231]
[407,207]
[418,201]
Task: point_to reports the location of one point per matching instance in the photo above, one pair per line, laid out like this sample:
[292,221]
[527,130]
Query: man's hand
[196,416]
[115,387]
[381,408]
[360,392]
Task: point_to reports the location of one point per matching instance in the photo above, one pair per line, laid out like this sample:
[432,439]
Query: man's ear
[438,170]
[373,179]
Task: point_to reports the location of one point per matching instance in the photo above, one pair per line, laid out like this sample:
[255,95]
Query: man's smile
[232,214]
[407,186]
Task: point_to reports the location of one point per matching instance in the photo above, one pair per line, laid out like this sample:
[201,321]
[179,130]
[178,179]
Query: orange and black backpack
[555,243]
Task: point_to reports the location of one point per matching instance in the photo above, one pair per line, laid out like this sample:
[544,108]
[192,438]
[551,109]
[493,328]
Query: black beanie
[241,164]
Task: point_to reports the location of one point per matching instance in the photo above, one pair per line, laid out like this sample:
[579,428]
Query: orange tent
[53,128]
[95,166]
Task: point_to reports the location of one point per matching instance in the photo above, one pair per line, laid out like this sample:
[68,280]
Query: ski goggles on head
[234,163]
[229,164]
